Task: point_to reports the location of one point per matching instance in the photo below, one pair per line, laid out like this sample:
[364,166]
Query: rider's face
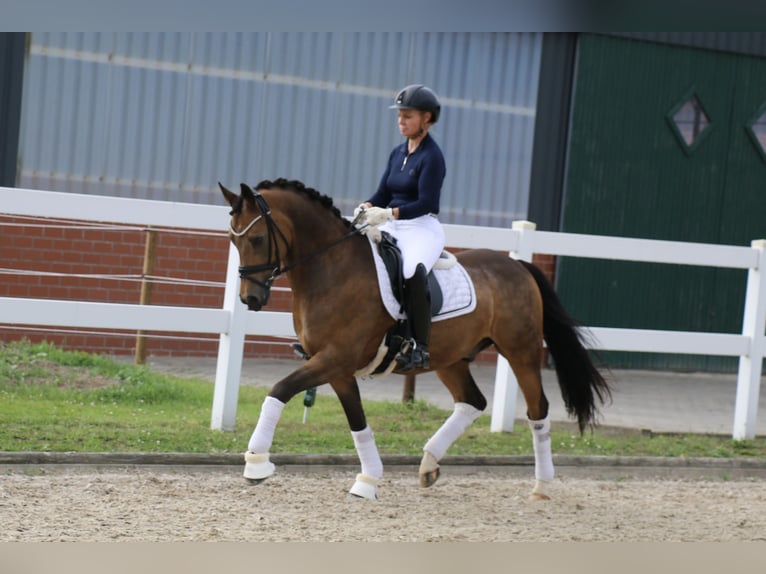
[412,122]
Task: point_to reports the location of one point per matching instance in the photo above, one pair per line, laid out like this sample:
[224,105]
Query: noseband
[275,265]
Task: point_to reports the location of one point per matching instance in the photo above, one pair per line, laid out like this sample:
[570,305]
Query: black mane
[298,186]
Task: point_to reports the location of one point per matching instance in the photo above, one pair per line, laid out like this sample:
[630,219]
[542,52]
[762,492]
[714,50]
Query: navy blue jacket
[413,183]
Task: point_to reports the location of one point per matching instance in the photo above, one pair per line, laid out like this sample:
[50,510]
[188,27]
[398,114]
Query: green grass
[58,401]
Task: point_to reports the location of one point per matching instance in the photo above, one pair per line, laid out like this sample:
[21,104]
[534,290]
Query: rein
[277,268]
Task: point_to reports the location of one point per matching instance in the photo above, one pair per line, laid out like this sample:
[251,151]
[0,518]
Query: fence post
[750,365]
[230,351]
[506,385]
[145,298]
[408,388]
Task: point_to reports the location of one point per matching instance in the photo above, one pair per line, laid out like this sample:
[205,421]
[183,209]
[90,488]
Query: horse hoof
[539,496]
[365,487]
[537,492]
[258,467]
[429,470]
[429,478]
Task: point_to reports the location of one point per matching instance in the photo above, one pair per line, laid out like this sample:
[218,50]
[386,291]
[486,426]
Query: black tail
[579,379]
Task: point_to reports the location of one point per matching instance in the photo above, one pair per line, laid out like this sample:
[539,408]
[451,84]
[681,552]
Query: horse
[285,227]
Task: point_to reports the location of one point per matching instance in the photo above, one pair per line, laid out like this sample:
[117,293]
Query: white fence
[232,322]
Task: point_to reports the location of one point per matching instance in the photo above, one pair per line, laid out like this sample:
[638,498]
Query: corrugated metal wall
[167,115]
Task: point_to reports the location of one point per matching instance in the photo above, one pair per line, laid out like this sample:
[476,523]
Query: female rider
[406,205]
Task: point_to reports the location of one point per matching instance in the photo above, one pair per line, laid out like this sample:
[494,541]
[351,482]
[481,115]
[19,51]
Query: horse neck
[320,267]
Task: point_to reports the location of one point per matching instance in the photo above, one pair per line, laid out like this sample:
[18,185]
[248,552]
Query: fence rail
[232,322]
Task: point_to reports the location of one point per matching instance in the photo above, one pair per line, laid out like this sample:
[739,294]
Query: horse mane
[297,186]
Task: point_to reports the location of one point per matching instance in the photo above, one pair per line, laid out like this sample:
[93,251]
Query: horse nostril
[253,303]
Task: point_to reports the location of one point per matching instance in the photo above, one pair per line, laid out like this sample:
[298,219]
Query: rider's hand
[359,209]
[377,215]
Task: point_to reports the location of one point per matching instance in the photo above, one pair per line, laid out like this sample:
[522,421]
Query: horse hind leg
[469,404]
[541,443]
[526,368]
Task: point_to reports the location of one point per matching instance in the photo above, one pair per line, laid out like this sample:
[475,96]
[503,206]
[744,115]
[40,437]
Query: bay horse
[285,227]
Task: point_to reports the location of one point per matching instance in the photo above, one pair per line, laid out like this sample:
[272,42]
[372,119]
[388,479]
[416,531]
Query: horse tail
[580,381]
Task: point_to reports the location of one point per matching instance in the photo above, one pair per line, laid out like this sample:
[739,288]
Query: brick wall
[74,248]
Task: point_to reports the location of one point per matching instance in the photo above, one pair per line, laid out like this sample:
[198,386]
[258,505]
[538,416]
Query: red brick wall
[27,244]
[72,250]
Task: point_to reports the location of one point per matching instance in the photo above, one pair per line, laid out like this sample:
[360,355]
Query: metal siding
[167,115]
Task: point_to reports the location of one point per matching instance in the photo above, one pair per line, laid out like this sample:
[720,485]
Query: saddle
[392,258]
[398,337]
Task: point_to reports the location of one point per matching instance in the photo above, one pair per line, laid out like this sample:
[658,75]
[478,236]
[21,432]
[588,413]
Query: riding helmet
[418,97]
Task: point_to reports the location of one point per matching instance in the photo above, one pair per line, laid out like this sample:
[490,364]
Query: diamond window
[756,128]
[691,121]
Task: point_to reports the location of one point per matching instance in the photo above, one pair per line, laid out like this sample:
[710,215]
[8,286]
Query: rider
[407,204]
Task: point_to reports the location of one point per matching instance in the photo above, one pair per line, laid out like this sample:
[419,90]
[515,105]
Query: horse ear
[247,193]
[230,196]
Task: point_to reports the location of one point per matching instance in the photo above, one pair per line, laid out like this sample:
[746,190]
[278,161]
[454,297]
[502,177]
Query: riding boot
[419,316]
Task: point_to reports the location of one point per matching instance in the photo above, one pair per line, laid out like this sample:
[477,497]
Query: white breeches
[421,240]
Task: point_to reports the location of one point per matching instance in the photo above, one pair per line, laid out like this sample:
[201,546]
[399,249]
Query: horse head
[255,235]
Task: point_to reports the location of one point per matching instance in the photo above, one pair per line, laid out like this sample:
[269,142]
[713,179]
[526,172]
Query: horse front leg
[366,483]
[258,466]
[469,404]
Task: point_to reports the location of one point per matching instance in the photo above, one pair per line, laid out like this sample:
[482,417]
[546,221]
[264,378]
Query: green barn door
[659,149]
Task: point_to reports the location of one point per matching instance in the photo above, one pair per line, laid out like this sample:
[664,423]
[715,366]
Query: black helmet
[418,97]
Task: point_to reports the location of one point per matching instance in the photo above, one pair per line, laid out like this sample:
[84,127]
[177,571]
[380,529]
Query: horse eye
[256,240]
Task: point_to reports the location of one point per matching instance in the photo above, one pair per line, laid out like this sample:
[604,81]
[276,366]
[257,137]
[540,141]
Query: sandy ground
[153,504]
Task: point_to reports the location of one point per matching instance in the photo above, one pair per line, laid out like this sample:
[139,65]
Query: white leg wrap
[260,440]
[541,441]
[460,419]
[364,441]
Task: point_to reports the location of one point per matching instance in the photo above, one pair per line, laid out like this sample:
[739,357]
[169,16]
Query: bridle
[275,264]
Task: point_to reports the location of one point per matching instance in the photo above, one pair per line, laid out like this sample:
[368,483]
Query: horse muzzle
[255,302]
[255,293]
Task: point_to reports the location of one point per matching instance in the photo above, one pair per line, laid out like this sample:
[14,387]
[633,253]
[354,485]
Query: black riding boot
[419,316]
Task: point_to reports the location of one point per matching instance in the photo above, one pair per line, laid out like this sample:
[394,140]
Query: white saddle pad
[459,295]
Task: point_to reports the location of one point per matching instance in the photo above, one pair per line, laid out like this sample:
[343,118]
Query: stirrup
[417,358]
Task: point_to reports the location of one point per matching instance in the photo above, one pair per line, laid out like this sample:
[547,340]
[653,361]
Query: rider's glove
[377,215]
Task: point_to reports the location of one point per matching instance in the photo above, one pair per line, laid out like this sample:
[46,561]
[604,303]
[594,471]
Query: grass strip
[52,400]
